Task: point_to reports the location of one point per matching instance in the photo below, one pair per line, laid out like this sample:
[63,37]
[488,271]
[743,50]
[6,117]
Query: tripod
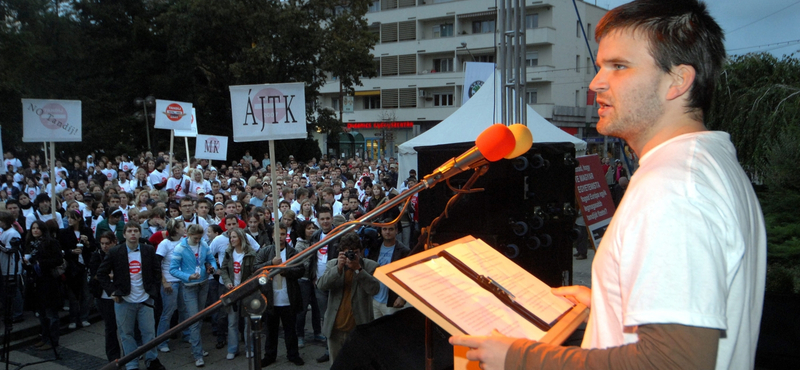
[10,280]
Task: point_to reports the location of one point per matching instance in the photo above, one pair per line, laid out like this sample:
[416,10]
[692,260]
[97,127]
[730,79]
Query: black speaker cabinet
[526,209]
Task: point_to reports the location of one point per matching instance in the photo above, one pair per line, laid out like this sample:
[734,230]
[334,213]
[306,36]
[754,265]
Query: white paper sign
[211,147]
[173,115]
[268,112]
[51,120]
[193,131]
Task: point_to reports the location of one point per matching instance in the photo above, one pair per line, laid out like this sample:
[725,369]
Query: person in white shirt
[678,279]
[44,212]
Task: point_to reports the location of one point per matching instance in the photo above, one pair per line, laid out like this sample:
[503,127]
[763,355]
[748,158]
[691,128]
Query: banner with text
[268,112]
[211,147]
[193,131]
[593,196]
[51,120]
[475,75]
[173,115]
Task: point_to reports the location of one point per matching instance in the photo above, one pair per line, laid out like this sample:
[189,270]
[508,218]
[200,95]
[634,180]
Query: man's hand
[490,351]
[117,299]
[167,287]
[276,260]
[194,276]
[76,251]
[575,294]
[341,261]
[399,302]
[229,286]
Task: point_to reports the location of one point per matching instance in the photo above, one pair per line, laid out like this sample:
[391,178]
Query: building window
[532,20]
[486,26]
[589,31]
[375,6]
[588,66]
[578,29]
[372,102]
[578,63]
[443,65]
[531,96]
[335,104]
[443,30]
[532,58]
[577,98]
[442,100]
[484,58]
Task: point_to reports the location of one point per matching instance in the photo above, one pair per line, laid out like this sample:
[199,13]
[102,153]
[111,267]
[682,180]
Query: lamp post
[464,45]
[149,101]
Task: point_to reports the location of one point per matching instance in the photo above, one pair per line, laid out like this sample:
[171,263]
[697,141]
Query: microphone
[492,144]
[524,140]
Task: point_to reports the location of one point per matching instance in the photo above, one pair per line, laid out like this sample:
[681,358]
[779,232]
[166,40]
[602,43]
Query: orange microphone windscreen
[495,142]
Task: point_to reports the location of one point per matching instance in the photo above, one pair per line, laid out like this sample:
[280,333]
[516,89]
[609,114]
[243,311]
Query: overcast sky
[751,25]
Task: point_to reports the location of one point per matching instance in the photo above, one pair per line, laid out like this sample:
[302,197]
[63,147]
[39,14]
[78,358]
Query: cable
[766,16]
[788,43]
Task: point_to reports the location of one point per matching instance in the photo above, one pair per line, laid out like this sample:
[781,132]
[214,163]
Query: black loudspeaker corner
[526,209]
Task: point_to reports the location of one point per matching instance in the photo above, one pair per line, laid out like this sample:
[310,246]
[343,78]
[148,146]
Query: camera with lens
[350,254]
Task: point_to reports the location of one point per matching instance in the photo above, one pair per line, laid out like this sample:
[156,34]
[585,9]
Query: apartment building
[421,55]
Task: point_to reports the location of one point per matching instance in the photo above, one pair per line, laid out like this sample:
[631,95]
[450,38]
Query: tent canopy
[466,123]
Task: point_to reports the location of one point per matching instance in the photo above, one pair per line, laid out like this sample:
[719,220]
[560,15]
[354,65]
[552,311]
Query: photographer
[350,285]
[11,265]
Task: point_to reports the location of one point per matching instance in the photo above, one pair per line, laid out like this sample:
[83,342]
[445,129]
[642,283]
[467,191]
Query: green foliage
[756,100]
[107,53]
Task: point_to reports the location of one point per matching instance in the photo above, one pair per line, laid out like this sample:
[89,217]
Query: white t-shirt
[178,185]
[280,293]
[237,267]
[156,177]
[165,249]
[686,246]
[322,257]
[5,238]
[12,162]
[138,295]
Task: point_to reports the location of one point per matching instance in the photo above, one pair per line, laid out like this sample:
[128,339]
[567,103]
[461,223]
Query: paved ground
[83,349]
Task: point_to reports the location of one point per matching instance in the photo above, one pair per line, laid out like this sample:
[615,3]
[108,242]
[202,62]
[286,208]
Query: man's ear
[681,77]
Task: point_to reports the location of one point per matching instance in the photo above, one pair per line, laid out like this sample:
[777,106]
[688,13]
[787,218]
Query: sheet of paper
[463,301]
[528,291]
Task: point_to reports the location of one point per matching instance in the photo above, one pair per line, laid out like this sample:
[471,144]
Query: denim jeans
[309,297]
[128,315]
[170,302]
[233,331]
[194,297]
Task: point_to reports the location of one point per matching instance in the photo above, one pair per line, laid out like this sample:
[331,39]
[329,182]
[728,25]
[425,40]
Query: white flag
[268,112]
[211,147]
[193,131]
[51,120]
[475,75]
[173,115]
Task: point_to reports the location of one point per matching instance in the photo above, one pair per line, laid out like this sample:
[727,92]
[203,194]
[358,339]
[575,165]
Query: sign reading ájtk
[51,120]
[211,147]
[268,112]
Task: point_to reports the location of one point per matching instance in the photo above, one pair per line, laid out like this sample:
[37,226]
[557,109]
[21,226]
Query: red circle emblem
[174,112]
[135,267]
[237,267]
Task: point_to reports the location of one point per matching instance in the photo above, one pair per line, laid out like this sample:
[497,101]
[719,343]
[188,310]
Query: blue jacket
[183,261]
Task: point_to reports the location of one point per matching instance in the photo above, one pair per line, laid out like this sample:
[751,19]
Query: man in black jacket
[387,302]
[137,276]
[284,301]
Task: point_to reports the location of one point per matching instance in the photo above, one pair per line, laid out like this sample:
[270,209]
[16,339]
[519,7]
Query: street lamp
[464,45]
[149,101]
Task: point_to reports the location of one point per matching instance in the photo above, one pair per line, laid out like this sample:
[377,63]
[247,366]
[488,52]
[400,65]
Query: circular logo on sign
[52,113]
[474,87]
[269,106]
[135,267]
[174,112]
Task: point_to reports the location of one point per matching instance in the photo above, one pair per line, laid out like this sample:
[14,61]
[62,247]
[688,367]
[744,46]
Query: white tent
[466,123]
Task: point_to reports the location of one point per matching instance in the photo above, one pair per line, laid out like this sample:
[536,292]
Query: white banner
[193,131]
[268,112]
[51,120]
[173,115]
[211,147]
[475,75]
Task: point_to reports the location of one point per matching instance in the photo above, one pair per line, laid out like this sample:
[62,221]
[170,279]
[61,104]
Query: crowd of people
[148,243]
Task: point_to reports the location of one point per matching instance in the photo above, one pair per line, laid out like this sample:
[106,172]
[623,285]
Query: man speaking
[678,280]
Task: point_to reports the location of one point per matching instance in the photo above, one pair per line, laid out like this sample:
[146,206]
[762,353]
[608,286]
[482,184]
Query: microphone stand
[262,276]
